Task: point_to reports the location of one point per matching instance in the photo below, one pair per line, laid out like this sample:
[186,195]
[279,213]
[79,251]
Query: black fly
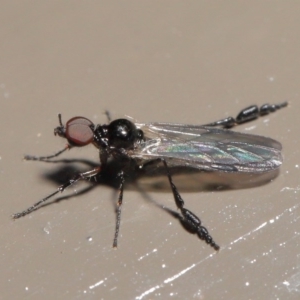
[201,147]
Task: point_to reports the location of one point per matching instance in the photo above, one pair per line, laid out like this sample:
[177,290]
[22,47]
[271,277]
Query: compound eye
[79,132]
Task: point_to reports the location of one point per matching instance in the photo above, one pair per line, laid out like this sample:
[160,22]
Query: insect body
[202,147]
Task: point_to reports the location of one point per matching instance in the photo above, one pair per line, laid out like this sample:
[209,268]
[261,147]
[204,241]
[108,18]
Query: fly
[210,147]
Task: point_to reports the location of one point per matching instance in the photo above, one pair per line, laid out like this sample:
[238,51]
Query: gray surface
[169,61]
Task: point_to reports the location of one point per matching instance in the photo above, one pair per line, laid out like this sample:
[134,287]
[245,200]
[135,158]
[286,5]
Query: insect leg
[190,219]
[119,204]
[74,179]
[45,158]
[248,114]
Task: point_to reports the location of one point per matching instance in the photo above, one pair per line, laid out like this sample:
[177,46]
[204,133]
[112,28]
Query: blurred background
[169,61]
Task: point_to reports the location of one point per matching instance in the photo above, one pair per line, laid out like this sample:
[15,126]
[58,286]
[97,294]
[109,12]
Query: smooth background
[172,61]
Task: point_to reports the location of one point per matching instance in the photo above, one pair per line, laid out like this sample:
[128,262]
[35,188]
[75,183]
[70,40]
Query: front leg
[74,179]
[47,158]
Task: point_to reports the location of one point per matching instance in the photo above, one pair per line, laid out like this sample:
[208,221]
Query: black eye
[123,133]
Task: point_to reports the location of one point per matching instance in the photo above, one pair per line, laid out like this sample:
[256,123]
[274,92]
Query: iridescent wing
[208,148]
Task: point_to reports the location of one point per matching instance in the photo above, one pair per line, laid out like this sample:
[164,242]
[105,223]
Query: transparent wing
[208,148]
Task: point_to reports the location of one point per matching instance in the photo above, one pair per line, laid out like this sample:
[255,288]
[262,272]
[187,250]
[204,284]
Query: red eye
[79,131]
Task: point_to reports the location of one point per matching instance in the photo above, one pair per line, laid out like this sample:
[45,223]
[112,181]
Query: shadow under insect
[152,178]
